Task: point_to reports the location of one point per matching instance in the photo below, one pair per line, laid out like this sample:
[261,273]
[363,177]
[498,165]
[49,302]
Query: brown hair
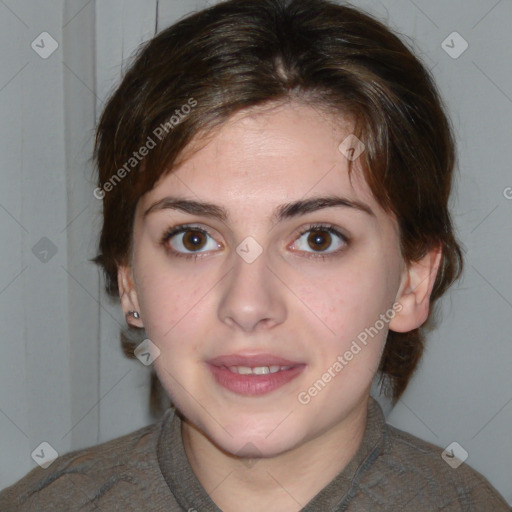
[238,54]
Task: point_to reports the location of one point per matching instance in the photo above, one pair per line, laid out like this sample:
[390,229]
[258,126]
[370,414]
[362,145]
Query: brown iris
[319,240]
[194,240]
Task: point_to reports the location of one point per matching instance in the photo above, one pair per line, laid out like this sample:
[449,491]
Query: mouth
[253,375]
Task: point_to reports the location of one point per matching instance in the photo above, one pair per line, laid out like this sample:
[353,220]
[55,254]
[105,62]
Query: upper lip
[251,360]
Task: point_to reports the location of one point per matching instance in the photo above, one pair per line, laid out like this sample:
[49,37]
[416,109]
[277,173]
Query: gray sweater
[148,470]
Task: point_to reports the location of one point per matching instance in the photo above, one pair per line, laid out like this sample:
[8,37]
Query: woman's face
[256,266]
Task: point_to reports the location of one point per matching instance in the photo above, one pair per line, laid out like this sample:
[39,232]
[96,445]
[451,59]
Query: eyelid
[323,226]
[180,228]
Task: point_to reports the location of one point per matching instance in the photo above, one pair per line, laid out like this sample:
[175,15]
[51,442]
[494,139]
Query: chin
[256,442]
[256,448]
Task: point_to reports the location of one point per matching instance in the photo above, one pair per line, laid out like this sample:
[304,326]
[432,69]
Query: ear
[413,295]
[128,295]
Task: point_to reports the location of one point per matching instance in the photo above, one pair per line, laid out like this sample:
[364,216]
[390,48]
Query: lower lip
[253,385]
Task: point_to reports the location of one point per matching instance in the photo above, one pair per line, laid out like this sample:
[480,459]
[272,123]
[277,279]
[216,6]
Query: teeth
[243,370]
[257,370]
[261,370]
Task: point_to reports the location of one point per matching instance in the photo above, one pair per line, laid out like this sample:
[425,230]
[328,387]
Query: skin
[289,302]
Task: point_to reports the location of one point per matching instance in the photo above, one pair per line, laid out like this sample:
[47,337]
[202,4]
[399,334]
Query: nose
[253,297]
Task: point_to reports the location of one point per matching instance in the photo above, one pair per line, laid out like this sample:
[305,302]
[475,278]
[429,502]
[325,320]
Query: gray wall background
[63,378]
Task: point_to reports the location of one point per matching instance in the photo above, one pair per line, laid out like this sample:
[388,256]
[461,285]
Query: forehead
[266,156]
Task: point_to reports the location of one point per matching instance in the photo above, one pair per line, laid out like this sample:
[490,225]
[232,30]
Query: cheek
[348,299]
[172,300]
[173,314]
[347,306]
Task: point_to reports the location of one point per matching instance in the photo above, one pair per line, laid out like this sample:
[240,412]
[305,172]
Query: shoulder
[112,471]
[428,481]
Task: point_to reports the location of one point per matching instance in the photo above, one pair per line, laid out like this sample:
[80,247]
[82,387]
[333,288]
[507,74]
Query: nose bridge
[251,294]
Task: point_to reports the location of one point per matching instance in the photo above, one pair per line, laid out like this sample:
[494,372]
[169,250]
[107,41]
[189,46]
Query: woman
[275,177]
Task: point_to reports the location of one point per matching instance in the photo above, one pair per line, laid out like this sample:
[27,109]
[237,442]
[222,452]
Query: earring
[135,314]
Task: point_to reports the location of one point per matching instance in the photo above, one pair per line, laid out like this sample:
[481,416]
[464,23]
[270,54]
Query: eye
[321,239]
[189,240]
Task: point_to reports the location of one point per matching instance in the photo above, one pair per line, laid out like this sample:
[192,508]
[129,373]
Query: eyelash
[170,233]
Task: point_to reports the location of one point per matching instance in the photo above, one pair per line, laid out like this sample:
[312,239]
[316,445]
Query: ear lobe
[128,295]
[418,280]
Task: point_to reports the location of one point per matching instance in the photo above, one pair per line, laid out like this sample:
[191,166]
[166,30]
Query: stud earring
[135,314]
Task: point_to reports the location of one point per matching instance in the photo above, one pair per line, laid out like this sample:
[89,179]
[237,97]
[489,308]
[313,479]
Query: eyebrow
[282,212]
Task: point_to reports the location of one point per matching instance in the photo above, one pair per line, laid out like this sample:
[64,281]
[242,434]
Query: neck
[286,482]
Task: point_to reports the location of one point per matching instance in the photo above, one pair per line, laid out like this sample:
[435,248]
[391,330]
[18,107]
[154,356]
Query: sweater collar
[190,494]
